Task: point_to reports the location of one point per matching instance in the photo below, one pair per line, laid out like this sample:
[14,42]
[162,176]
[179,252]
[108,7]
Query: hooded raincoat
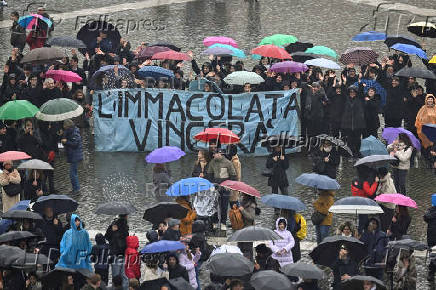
[287,243]
[132,267]
[426,115]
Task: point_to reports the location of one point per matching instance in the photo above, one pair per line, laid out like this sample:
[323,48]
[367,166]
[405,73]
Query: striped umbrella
[358,56]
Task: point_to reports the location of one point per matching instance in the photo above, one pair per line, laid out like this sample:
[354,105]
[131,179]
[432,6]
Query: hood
[152,236]
[132,242]
[277,223]
[430,96]
[198,227]
[99,239]
[378,223]
[73,224]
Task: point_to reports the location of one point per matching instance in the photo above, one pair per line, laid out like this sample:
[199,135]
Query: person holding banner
[278,163]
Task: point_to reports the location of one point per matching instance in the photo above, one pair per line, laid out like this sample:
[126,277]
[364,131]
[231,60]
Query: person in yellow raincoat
[188,220]
[426,115]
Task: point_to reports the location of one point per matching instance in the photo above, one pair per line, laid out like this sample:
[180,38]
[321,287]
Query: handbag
[12,189]
[317,218]
[267,172]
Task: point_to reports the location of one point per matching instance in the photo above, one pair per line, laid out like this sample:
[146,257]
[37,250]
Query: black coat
[178,270]
[100,256]
[353,117]
[117,239]
[326,168]
[400,228]
[430,219]
[51,94]
[33,95]
[52,233]
[395,105]
[278,168]
[371,113]
[413,104]
[171,235]
[30,144]
[342,267]
[30,189]
[197,170]
[18,35]
[267,262]
[335,106]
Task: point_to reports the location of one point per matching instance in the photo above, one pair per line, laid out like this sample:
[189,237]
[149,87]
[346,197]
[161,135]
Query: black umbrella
[180,284]
[155,284]
[303,270]
[298,46]
[66,41]
[59,204]
[7,253]
[391,40]
[89,33]
[416,72]
[253,234]
[16,236]
[21,214]
[423,29]
[229,264]
[270,280]
[29,261]
[356,283]
[326,253]
[408,244]
[302,56]
[115,208]
[166,44]
[55,277]
[162,210]
[43,55]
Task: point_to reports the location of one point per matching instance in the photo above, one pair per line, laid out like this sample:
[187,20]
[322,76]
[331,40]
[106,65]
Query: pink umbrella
[13,155]
[397,199]
[171,54]
[240,186]
[208,41]
[63,75]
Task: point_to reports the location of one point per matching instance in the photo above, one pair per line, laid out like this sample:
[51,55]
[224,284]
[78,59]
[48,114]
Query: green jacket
[220,170]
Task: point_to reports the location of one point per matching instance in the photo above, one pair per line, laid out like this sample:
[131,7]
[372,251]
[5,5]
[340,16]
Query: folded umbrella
[375,160]
[416,73]
[355,205]
[43,55]
[318,181]
[162,247]
[235,51]
[56,276]
[397,199]
[13,236]
[253,234]
[189,186]
[323,62]
[17,110]
[301,56]
[358,56]
[166,44]
[391,40]
[63,75]
[218,51]
[357,282]
[390,134]
[16,214]
[270,280]
[322,50]
[240,186]
[289,67]
[408,244]
[165,154]
[423,29]
[115,208]
[155,72]
[410,49]
[170,54]
[229,249]
[35,164]
[229,264]
[13,155]
[369,36]
[66,41]
[208,41]
[222,135]
[298,47]
[430,131]
[163,210]
[303,270]
[58,110]
[59,203]
[284,202]
[278,39]
[273,51]
[243,77]
[372,146]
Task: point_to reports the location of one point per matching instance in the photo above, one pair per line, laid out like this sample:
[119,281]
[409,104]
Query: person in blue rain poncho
[75,246]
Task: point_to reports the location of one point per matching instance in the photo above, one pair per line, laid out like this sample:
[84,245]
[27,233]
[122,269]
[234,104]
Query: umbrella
[226,249]
[323,62]
[189,186]
[318,181]
[335,141]
[16,236]
[66,41]
[229,264]
[410,49]
[303,270]
[8,252]
[21,214]
[43,55]
[208,41]
[356,282]
[63,75]
[166,44]
[17,110]
[289,67]
[6,223]
[390,134]
[155,72]
[369,83]
[240,186]
[180,283]
[35,164]
[243,77]
[235,51]
[302,56]
[58,202]
[163,246]
[91,30]
[326,253]
[375,160]
[270,280]
[322,50]
[432,60]
[423,29]
[369,36]
[430,131]
[149,51]
[253,234]
[372,146]
[28,261]
[222,135]
[13,155]
[298,47]
[218,51]
[273,51]
[165,154]
[58,110]
[55,277]
[112,79]
[278,39]
[359,56]
[115,208]
[28,21]
[162,210]
[283,201]
[171,54]
[397,199]
[391,40]
[355,205]
[416,72]
[408,244]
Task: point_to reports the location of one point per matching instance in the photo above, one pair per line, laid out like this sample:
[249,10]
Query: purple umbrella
[218,51]
[289,67]
[149,51]
[390,134]
[165,154]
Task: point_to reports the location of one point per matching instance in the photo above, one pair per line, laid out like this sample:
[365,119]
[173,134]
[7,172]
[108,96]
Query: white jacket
[402,154]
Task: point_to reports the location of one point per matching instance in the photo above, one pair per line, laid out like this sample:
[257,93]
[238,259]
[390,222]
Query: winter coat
[197,170]
[189,265]
[386,185]
[376,243]
[267,262]
[52,233]
[363,189]
[36,39]
[413,104]
[171,235]
[186,222]
[286,243]
[30,189]
[150,274]
[279,167]
[400,227]
[353,117]
[342,267]
[395,107]
[18,35]
[430,219]
[51,94]
[31,145]
[234,194]
[100,253]
[132,266]
[405,278]
[33,95]
[6,179]
[73,146]
[326,168]
[220,170]
[117,239]
[248,213]
[336,106]
[75,246]
[178,270]
[371,113]
[323,203]
[403,154]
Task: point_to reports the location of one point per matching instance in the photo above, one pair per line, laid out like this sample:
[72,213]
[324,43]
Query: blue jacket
[73,146]
[376,243]
[75,247]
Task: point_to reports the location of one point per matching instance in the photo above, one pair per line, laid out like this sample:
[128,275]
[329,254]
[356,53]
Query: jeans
[400,177]
[74,176]
[118,270]
[321,233]
[197,274]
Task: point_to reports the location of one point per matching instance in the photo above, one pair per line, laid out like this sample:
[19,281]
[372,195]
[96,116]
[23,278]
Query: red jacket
[132,267]
[363,190]
[36,39]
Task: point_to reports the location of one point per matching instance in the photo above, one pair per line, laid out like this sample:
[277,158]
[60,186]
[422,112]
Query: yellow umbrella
[433,59]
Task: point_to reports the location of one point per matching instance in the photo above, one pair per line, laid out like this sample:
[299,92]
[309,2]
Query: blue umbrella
[189,186]
[155,72]
[162,246]
[318,181]
[236,51]
[24,21]
[283,201]
[410,49]
[165,154]
[430,131]
[369,36]
[372,146]
[379,89]
[5,223]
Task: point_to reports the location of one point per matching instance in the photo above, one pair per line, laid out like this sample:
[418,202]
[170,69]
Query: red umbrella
[171,54]
[13,155]
[223,135]
[240,186]
[63,75]
[273,51]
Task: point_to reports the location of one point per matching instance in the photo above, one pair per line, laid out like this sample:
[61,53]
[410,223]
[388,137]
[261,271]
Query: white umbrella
[35,164]
[323,62]
[355,205]
[226,249]
[243,77]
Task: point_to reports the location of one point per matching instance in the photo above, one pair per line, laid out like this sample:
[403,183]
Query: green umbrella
[279,39]
[16,110]
[322,50]
[59,110]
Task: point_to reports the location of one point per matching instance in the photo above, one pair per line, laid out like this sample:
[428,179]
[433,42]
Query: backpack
[236,219]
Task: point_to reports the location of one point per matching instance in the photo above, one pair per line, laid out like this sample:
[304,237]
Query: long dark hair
[405,139]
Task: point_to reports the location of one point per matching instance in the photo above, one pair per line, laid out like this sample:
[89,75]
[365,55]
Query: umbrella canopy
[303,270]
[28,261]
[226,249]
[235,51]
[155,72]
[16,236]
[270,280]
[359,56]
[5,223]
[229,264]
[273,51]
[283,201]
[391,40]
[430,131]
[357,282]
[16,214]
[35,164]
[432,60]
[171,54]
[336,141]
[189,186]
[113,80]
[253,234]
[408,244]
[375,160]
[208,41]
[222,135]
[59,110]
[58,202]
[28,21]
[149,51]
[397,199]
[302,56]
[323,62]
[416,72]
[423,29]
[6,252]
[410,49]
[372,146]
[162,210]
[43,55]
[162,247]
[166,44]
[369,36]
[322,50]
[63,75]
[318,181]
[355,205]
[55,277]
[278,39]
[180,283]
[218,51]
[289,67]
[241,186]
[66,41]
[298,47]
[326,253]
[115,208]
[13,155]
[91,30]
[390,134]
[165,154]
[17,110]
[243,77]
